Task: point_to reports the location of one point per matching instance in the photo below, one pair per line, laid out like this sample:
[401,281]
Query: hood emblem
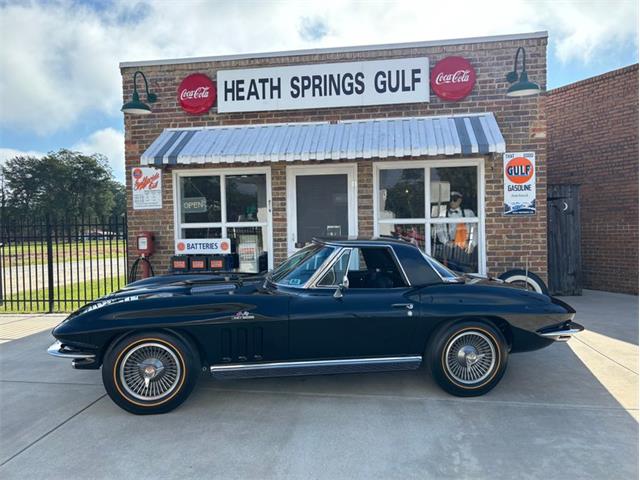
[243,315]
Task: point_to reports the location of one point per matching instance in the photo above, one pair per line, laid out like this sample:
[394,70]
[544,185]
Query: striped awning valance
[378,138]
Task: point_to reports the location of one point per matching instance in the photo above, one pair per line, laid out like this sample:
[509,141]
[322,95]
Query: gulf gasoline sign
[520,183]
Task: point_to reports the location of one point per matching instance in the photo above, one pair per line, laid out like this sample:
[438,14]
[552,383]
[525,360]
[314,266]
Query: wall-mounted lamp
[521,86]
[135,106]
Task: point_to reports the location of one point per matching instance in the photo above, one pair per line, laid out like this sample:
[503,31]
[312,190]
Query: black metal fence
[58,266]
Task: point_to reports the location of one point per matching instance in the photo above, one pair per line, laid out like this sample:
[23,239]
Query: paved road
[568,411]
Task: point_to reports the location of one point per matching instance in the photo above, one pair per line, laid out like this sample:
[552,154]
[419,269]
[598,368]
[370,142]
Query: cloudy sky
[60,84]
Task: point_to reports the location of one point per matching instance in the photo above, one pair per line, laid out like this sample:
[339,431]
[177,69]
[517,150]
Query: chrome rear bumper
[563,333]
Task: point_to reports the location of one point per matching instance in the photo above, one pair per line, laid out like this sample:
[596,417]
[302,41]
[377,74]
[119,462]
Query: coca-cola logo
[453,78]
[197,94]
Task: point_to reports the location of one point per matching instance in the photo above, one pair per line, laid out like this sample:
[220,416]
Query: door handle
[408,306]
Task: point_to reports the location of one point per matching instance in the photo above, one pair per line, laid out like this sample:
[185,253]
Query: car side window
[337,272]
[374,267]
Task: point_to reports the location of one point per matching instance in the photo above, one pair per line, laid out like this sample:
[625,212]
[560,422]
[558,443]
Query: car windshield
[301,266]
[446,274]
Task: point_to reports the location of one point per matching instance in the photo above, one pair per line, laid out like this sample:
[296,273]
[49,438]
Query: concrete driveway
[569,411]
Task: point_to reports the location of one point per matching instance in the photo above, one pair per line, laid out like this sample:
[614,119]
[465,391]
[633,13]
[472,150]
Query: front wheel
[149,373]
[468,358]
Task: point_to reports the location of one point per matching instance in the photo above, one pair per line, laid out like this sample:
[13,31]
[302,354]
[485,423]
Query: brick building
[270,178]
[593,143]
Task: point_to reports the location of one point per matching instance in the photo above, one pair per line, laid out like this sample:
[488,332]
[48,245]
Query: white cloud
[108,142]
[9,153]
[59,60]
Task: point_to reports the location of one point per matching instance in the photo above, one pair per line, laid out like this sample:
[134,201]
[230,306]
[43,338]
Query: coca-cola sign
[453,78]
[197,94]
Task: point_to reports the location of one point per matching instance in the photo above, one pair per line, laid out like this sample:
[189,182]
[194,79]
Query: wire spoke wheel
[150,371]
[470,357]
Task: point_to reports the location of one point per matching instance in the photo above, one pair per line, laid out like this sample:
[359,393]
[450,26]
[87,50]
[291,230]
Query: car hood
[178,285]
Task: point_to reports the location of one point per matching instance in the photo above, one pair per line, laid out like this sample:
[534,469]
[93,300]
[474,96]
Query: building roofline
[595,79]
[319,51]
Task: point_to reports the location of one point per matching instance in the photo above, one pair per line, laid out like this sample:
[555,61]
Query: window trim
[313,281]
[479,219]
[178,225]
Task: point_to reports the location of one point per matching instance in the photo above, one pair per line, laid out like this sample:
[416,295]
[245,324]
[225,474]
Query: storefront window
[246,198]
[200,199]
[228,206]
[450,231]
[454,189]
[402,193]
[455,245]
[250,244]
[201,233]
[413,233]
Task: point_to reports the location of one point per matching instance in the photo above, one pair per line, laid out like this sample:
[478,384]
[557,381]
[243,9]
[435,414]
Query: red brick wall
[510,240]
[593,142]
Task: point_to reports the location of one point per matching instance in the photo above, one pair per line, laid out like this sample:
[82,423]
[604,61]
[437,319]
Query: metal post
[50,263]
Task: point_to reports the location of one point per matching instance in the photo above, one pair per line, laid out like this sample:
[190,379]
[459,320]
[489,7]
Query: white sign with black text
[347,84]
[146,183]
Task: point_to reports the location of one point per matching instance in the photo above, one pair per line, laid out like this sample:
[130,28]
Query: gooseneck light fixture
[521,87]
[135,106]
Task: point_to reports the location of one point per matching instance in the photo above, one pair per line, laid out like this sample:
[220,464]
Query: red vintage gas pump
[145,246]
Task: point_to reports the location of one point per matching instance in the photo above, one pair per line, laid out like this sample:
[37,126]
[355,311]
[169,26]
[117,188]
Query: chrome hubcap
[150,371]
[470,357]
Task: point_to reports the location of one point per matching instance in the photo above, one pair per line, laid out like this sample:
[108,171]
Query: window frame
[223,224]
[313,281]
[428,222]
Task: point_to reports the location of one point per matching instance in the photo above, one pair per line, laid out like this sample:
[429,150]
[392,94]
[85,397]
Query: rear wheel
[150,373]
[468,358]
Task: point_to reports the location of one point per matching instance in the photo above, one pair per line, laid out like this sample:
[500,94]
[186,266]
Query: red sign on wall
[197,94]
[453,78]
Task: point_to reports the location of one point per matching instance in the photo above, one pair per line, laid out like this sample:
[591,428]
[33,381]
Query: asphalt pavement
[568,411]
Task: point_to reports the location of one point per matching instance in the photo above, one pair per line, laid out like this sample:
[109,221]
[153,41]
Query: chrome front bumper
[563,333]
[58,350]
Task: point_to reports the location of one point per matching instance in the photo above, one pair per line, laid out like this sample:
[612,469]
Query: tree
[61,184]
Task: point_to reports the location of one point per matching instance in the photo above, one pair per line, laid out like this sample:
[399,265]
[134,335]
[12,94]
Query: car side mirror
[341,288]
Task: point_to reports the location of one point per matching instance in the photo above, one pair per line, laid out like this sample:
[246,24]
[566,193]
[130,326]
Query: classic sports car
[332,307]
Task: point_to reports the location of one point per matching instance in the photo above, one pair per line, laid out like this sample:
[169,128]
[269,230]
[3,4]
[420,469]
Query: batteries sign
[520,183]
[203,246]
[346,84]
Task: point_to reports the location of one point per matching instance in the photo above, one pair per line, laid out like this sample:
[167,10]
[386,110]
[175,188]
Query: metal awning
[377,138]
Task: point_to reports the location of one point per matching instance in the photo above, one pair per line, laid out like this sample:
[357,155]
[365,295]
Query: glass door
[321,203]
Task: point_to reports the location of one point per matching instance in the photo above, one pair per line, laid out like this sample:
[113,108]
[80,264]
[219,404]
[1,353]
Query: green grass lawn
[67,298]
[35,253]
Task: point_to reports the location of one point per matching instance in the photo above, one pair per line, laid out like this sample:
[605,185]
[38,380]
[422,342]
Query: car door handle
[408,306]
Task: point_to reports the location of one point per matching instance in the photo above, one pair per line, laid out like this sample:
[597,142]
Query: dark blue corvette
[332,307]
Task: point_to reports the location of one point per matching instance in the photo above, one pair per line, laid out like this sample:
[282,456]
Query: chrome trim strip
[57,351]
[399,264]
[314,363]
[313,281]
[328,263]
[562,335]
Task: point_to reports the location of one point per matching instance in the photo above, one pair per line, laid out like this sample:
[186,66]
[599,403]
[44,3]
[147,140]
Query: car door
[376,315]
